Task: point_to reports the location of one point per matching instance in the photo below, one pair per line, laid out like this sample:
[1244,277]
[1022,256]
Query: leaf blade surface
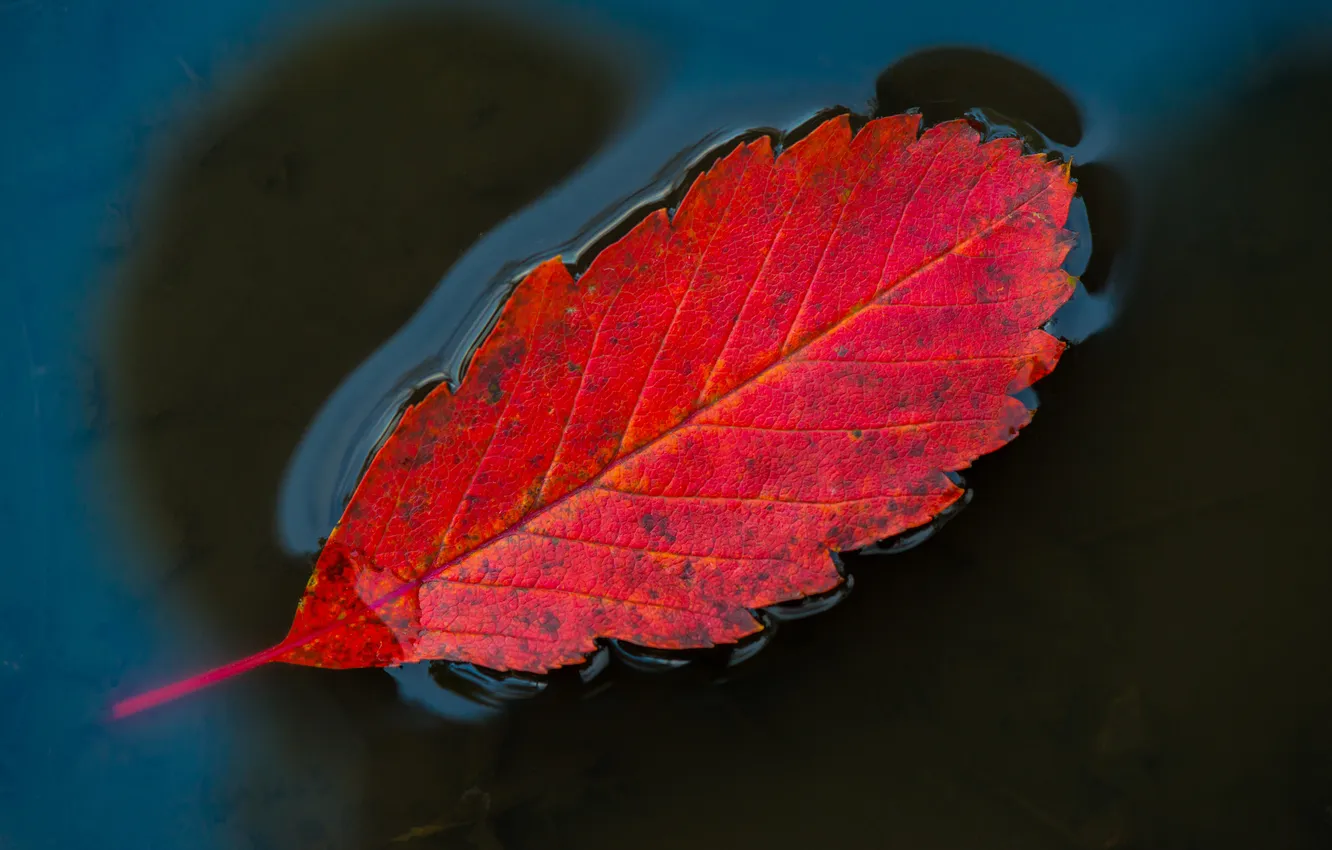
[785,368]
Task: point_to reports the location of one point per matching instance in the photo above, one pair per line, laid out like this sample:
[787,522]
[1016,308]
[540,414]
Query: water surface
[235,235]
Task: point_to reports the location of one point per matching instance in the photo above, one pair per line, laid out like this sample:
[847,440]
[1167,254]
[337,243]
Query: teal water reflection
[215,220]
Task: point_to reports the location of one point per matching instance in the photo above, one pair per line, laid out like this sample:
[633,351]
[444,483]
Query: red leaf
[785,368]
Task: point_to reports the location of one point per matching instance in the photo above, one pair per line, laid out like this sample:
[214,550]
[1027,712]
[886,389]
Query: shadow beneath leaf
[303,222]
[944,82]
[1123,642]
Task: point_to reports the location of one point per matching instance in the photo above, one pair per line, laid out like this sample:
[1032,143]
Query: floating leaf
[785,368]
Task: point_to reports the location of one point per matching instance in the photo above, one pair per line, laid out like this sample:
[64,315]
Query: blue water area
[236,236]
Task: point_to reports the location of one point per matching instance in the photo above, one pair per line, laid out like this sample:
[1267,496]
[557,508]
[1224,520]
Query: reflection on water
[463,692]
[1121,642]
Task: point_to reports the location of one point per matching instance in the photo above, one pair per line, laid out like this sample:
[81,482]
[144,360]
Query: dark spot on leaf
[657,525]
[550,622]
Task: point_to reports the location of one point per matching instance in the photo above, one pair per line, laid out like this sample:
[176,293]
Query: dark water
[234,236]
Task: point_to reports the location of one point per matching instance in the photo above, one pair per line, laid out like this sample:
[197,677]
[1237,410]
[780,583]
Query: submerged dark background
[213,217]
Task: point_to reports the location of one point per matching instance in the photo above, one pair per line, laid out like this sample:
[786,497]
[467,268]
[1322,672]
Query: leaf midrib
[782,360]
[519,527]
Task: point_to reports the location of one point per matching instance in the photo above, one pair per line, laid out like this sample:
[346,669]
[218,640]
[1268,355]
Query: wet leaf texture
[784,368]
